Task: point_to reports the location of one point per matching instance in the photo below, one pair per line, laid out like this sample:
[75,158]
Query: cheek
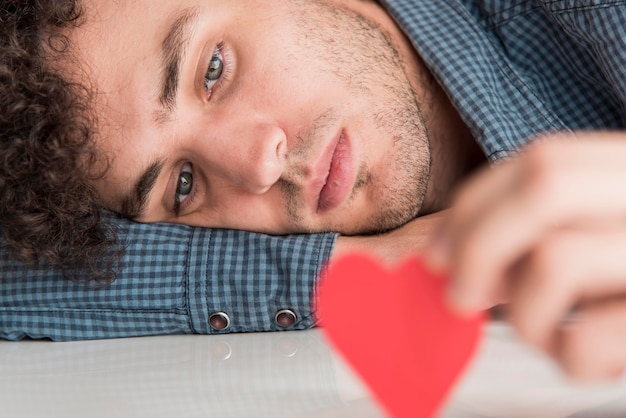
[262,213]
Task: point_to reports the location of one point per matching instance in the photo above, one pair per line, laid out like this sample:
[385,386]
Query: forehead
[121,33]
[118,50]
[121,30]
[116,53]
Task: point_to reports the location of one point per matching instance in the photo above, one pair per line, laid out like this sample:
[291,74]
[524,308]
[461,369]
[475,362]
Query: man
[265,119]
[295,117]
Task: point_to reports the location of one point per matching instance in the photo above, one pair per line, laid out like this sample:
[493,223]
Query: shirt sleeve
[172,280]
[598,27]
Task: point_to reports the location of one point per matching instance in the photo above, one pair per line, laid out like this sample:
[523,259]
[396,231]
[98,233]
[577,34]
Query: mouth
[339,174]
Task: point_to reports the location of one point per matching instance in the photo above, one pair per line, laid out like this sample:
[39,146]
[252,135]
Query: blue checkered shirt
[512,68]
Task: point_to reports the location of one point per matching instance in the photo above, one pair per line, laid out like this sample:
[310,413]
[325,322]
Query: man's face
[277,116]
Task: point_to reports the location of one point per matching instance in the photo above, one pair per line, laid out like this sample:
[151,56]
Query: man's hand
[547,232]
[393,246]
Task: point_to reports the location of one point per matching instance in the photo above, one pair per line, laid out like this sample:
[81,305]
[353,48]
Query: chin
[373,224]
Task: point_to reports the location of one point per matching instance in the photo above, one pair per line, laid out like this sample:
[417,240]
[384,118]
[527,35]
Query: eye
[185,184]
[215,70]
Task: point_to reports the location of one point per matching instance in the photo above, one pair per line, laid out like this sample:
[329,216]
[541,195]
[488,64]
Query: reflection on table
[289,374]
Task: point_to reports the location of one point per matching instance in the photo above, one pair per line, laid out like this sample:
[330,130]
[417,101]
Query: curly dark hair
[49,213]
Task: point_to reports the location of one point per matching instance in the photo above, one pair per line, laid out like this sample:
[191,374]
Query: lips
[340,176]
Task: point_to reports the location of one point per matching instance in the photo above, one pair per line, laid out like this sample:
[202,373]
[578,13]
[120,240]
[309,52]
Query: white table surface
[286,374]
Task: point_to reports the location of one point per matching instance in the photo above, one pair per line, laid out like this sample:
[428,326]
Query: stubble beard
[400,194]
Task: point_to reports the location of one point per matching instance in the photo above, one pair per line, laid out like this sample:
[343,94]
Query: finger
[569,268]
[481,191]
[592,347]
[552,193]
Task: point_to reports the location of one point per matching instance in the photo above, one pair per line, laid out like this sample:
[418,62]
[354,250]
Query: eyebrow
[134,204]
[173,51]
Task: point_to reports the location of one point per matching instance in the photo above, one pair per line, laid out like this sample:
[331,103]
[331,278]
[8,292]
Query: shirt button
[219,321]
[285,318]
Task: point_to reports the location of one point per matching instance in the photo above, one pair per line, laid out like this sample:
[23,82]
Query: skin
[302,77]
[258,140]
[546,233]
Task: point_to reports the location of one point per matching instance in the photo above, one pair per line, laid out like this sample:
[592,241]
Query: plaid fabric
[512,68]
[517,68]
[171,279]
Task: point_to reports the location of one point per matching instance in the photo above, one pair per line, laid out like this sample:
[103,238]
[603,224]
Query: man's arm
[395,245]
[172,279]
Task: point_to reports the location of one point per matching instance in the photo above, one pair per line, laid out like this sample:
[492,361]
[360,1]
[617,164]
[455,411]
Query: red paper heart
[395,331]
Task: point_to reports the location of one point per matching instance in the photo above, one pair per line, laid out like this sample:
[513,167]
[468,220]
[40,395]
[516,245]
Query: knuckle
[527,331]
[550,262]
[576,355]
[545,174]
[590,343]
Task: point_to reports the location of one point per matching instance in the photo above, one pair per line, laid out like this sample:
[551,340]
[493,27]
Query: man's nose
[259,156]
